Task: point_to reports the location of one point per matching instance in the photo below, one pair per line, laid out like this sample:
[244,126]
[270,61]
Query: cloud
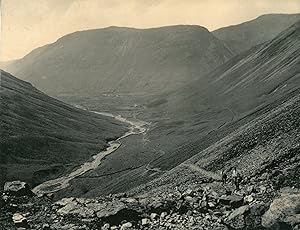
[27,24]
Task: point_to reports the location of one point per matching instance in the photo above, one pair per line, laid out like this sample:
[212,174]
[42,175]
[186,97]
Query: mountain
[123,60]
[262,140]
[249,34]
[191,195]
[194,117]
[42,137]
[3,64]
[229,97]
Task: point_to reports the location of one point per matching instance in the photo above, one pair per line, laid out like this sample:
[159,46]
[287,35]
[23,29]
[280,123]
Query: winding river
[51,186]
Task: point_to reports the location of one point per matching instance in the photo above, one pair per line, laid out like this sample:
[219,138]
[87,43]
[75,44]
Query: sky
[28,24]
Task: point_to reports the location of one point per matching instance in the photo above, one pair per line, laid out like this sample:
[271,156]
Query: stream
[51,186]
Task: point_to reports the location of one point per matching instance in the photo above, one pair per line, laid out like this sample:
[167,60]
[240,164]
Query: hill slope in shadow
[42,137]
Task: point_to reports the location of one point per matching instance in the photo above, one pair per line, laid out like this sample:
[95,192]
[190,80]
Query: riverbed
[136,127]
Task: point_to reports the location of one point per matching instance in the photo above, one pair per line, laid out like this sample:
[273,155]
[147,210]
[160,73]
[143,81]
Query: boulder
[105,227]
[17,188]
[236,219]
[283,211]
[213,195]
[49,196]
[65,201]
[20,221]
[188,192]
[163,215]
[211,204]
[250,189]
[190,199]
[248,199]
[254,216]
[233,200]
[145,221]
[246,217]
[72,206]
[153,204]
[262,189]
[89,208]
[46,227]
[110,209]
[127,225]
[129,200]
[153,216]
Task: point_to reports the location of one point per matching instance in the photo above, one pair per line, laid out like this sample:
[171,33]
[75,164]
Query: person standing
[224,177]
[235,178]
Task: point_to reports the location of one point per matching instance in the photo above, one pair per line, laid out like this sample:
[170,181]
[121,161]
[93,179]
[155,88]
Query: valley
[136,127]
[143,124]
[208,112]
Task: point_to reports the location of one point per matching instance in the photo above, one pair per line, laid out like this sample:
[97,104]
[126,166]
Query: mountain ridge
[241,37]
[116,59]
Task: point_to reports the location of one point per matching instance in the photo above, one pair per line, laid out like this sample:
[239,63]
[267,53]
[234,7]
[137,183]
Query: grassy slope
[41,137]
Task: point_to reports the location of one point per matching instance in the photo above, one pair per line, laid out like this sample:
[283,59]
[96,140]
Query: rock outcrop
[284,212]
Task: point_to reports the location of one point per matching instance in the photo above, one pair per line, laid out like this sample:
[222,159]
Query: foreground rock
[284,211]
[20,221]
[232,200]
[17,188]
[204,207]
[247,217]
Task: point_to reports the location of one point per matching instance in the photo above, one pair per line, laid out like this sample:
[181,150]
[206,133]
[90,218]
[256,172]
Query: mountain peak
[120,59]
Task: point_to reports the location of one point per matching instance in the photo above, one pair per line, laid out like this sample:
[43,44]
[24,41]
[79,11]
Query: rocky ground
[256,205]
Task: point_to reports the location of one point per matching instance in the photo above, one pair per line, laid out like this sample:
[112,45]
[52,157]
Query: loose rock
[17,188]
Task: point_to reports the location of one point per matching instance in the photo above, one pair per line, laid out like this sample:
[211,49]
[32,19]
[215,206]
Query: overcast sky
[27,24]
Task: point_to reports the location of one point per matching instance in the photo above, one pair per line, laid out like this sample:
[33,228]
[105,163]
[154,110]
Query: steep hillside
[42,137]
[264,149]
[249,34]
[123,60]
[230,94]
[261,87]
